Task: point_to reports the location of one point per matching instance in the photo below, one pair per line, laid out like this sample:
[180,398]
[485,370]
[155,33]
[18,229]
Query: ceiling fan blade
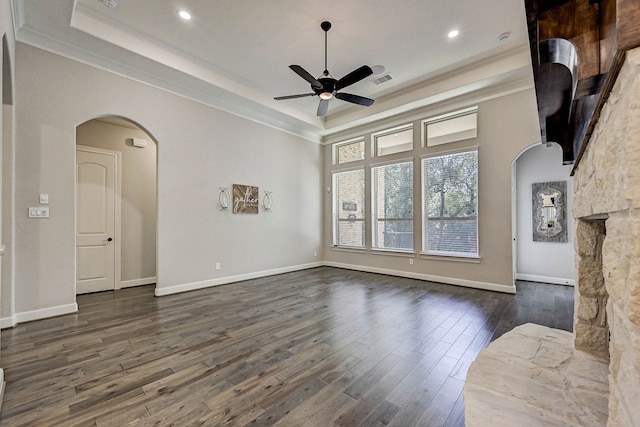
[323,106]
[360,100]
[301,95]
[305,75]
[354,77]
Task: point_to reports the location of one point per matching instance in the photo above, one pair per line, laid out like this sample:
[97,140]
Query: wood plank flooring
[319,347]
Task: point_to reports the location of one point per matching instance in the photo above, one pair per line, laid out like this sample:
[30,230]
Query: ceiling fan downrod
[326,26]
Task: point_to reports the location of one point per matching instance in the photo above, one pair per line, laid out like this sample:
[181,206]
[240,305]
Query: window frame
[425,218]
[374,205]
[443,118]
[391,131]
[335,221]
[336,147]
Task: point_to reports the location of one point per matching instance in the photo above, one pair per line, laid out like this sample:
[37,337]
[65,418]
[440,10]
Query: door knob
[109,239]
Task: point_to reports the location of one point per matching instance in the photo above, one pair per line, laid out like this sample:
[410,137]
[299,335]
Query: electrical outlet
[410,261]
[218,266]
[315,253]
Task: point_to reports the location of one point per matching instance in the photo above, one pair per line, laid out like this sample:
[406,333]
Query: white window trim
[470,259]
[351,168]
[451,115]
[392,162]
[346,248]
[407,253]
[448,152]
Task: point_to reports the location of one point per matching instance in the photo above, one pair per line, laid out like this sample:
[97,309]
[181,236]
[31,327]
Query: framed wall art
[246,199]
[549,211]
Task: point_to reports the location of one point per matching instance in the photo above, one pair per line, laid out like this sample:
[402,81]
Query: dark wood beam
[601,31]
[628,24]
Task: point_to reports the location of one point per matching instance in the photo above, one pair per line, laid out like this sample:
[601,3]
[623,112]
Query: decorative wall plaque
[245,199]
[549,211]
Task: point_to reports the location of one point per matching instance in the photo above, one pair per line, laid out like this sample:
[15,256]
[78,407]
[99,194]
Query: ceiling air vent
[382,79]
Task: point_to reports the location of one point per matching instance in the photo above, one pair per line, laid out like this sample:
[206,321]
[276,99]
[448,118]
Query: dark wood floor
[320,347]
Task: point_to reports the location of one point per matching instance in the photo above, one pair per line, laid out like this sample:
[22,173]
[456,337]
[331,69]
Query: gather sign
[245,199]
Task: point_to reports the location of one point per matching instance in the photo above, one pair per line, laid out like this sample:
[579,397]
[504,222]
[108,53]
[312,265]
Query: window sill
[349,249]
[472,260]
[393,252]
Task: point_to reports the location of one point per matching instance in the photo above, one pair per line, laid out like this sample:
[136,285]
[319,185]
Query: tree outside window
[450,192]
[393,206]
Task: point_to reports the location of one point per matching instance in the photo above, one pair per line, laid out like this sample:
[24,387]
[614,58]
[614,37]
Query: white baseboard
[509,289]
[231,279]
[8,322]
[2,387]
[137,282]
[28,316]
[545,279]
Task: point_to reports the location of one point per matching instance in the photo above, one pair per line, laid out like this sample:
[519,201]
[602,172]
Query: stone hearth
[532,376]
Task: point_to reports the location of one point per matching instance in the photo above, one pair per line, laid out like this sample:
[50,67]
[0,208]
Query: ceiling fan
[327,87]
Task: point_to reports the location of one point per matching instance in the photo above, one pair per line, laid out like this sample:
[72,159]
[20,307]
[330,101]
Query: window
[348,151]
[452,127]
[450,197]
[394,140]
[348,208]
[392,199]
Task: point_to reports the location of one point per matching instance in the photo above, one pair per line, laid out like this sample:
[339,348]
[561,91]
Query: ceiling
[234,54]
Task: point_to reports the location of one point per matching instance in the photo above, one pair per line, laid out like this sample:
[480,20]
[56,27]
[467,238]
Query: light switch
[44,199]
[39,212]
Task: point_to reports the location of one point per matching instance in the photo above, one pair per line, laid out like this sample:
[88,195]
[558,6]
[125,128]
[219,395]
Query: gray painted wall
[199,150]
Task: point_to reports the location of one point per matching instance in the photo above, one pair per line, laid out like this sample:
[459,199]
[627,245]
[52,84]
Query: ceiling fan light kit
[327,87]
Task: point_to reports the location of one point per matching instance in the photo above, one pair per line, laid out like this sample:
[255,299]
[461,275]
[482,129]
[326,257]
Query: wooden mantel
[601,31]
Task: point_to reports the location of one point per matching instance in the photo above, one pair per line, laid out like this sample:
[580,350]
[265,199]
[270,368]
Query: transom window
[348,151]
[394,140]
[451,127]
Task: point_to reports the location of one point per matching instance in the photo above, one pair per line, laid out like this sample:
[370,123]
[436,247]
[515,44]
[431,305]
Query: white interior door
[96,175]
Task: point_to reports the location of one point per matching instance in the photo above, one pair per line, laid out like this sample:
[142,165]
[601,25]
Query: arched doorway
[538,261]
[116,205]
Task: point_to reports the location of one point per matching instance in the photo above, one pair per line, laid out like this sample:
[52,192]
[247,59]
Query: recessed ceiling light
[453,33]
[184,14]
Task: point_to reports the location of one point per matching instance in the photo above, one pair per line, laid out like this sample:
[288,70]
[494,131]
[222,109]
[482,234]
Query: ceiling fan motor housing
[328,86]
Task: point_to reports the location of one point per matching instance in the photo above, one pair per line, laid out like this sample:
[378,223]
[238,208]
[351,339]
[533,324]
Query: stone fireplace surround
[531,366]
